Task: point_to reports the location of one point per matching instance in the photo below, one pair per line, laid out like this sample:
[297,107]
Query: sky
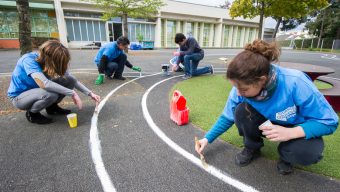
[270,23]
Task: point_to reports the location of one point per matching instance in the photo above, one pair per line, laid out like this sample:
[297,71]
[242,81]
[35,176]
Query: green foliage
[132,8]
[139,37]
[273,8]
[331,16]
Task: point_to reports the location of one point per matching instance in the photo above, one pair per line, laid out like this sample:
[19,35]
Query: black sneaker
[37,118]
[54,109]
[284,168]
[108,77]
[246,156]
[119,77]
[211,69]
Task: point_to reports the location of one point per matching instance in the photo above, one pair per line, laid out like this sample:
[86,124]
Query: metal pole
[332,46]
[302,43]
[321,45]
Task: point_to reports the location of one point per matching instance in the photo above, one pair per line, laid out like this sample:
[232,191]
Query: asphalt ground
[57,158]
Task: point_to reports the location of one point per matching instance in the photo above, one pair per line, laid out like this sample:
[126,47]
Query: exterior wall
[211,26]
[9,44]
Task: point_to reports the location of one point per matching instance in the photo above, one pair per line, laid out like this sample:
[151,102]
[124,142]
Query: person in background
[111,60]
[40,81]
[300,115]
[192,54]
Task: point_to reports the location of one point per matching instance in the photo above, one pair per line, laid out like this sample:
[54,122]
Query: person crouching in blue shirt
[41,80]
[191,54]
[112,59]
[262,91]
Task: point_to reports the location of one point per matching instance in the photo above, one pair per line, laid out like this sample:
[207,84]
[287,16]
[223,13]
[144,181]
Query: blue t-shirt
[110,50]
[21,77]
[296,101]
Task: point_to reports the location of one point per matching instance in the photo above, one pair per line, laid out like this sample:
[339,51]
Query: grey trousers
[35,100]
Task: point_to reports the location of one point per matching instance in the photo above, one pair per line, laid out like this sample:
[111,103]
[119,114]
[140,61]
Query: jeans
[35,100]
[296,151]
[111,67]
[191,63]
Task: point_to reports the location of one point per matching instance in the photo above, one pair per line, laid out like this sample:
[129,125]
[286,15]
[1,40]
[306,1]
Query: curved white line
[210,169]
[95,141]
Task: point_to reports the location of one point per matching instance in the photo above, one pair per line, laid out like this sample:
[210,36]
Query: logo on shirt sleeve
[286,114]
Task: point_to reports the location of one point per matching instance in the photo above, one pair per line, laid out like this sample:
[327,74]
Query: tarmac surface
[57,158]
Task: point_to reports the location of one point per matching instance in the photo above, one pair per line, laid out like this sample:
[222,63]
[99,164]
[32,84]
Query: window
[190,29]
[238,38]
[206,35]
[226,35]
[171,32]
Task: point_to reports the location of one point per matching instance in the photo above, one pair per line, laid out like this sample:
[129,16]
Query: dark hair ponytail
[254,62]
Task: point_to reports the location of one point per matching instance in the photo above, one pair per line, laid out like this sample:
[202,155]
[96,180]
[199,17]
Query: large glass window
[145,30]
[171,32]
[206,35]
[81,30]
[226,35]
[42,25]
[238,38]
[190,29]
[251,33]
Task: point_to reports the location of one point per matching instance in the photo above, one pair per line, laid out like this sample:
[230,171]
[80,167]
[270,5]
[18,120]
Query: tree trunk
[277,27]
[125,27]
[24,26]
[261,21]
[321,30]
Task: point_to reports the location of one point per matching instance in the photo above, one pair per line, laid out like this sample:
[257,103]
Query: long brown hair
[254,62]
[54,58]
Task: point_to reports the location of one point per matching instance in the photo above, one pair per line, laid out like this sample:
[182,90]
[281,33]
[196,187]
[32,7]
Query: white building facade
[79,23]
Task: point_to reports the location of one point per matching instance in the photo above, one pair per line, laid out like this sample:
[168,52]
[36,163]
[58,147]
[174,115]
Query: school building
[78,22]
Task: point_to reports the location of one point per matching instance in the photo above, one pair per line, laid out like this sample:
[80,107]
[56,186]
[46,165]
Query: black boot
[284,168]
[37,118]
[246,156]
[54,109]
[119,77]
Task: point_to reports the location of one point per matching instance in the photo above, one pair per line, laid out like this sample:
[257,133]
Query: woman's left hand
[95,97]
[277,133]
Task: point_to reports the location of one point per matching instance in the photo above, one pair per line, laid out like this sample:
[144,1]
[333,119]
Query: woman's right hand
[202,143]
[77,101]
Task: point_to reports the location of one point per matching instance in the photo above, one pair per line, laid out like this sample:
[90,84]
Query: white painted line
[331,57]
[95,141]
[210,169]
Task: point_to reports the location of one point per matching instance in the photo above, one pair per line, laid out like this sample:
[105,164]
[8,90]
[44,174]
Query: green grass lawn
[206,97]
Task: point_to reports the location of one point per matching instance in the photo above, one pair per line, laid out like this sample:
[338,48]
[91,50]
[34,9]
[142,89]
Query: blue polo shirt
[296,101]
[110,50]
[21,80]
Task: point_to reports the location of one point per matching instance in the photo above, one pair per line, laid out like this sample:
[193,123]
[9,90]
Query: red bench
[332,94]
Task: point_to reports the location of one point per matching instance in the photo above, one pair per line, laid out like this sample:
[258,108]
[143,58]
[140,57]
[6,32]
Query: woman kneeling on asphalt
[299,113]
[41,80]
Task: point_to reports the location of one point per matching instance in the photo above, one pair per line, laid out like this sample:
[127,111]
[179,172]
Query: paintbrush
[197,146]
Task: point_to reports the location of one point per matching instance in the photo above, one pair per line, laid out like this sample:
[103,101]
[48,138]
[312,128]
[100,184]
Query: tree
[24,26]
[287,24]
[326,24]
[286,9]
[129,8]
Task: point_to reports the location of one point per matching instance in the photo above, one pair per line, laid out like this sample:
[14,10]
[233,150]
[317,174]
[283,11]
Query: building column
[185,28]
[254,34]
[242,36]
[230,38]
[235,31]
[219,34]
[158,33]
[178,27]
[246,37]
[200,41]
[195,34]
[61,22]
[165,33]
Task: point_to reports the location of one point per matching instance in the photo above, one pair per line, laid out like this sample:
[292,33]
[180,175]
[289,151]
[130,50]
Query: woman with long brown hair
[40,81]
[298,113]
